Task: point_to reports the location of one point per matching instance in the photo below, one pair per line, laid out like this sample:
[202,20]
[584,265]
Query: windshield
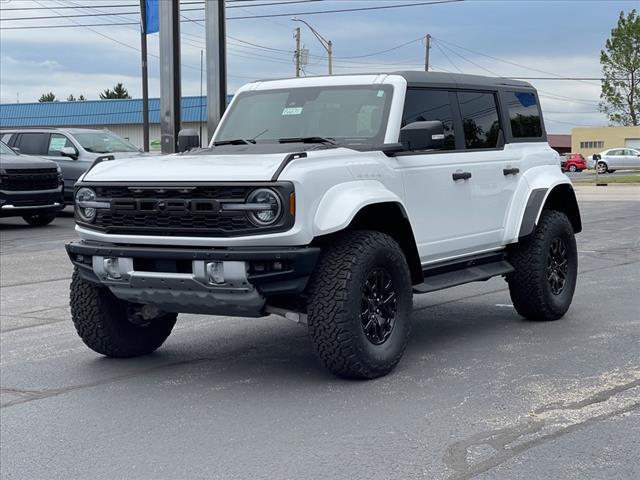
[103,142]
[345,114]
[4,150]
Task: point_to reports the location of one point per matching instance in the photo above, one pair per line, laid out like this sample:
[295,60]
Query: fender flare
[538,199]
[341,203]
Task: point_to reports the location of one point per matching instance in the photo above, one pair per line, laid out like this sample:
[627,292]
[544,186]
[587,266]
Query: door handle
[510,171]
[461,176]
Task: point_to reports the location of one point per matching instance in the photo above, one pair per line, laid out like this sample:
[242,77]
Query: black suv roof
[461,80]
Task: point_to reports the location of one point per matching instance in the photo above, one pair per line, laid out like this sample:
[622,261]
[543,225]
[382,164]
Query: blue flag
[151,22]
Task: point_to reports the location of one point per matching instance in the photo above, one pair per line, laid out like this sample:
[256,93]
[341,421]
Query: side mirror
[423,135]
[188,139]
[16,149]
[69,152]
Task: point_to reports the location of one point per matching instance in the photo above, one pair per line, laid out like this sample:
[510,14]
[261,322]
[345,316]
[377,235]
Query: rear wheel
[108,326]
[546,266]
[39,220]
[359,308]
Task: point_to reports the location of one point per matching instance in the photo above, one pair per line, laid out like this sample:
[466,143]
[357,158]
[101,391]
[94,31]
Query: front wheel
[107,326]
[39,220]
[601,167]
[546,268]
[359,306]
[573,168]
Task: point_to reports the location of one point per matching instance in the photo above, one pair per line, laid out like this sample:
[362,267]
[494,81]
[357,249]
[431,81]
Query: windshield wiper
[330,141]
[235,141]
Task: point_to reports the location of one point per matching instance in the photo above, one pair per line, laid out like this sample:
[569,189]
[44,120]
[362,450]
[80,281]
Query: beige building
[590,140]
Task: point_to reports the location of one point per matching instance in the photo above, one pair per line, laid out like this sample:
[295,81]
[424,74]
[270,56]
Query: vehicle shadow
[276,351]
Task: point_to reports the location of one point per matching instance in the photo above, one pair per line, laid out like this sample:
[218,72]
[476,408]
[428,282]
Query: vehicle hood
[25,162]
[192,168]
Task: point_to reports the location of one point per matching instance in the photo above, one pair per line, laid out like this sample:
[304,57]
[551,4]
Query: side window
[423,105]
[524,114]
[479,119]
[33,143]
[6,138]
[56,143]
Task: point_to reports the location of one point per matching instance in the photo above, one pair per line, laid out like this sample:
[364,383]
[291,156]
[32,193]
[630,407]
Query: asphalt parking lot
[480,393]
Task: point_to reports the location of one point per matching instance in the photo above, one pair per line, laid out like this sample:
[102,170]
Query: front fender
[341,203]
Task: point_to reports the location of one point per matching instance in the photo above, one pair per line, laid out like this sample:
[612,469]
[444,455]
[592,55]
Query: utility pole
[145,77]
[427,42]
[170,91]
[214,18]
[297,37]
[326,44]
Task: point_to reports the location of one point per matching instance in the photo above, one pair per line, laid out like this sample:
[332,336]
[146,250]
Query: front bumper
[176,279]
[26,203]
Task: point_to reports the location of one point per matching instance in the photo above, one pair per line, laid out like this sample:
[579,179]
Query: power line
[319,12]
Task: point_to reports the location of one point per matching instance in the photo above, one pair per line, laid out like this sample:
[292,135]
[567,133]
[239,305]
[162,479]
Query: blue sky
[563,38]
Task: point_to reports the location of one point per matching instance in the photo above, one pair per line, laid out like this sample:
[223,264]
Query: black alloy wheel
[379,306]
[557,266]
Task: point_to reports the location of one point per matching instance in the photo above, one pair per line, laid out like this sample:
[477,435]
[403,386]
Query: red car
[573,162]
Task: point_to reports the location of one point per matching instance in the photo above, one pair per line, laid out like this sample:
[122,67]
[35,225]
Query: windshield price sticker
[292,111]
[380,93]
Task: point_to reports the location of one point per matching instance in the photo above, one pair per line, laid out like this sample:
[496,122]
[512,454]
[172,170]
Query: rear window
[479,119]
[33,143]
[524,115]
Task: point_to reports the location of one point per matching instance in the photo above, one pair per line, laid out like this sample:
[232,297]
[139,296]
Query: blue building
[123,117]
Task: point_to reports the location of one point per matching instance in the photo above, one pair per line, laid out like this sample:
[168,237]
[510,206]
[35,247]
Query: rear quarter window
[524,114]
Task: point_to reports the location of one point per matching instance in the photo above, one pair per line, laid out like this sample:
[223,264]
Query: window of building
[423,105]
[592,144]
[524,114]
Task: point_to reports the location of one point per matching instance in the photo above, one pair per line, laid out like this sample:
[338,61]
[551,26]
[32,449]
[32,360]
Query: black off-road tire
[335,303]
[39,220]
[531,291]
[102,321]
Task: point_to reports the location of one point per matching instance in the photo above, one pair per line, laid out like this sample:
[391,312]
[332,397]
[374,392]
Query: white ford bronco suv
[330,201]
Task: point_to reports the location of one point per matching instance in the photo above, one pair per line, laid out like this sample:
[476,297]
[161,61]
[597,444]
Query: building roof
[559,141]
[94,112]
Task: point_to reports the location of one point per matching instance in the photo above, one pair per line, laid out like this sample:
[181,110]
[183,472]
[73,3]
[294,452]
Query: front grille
[181,210]
[29,180]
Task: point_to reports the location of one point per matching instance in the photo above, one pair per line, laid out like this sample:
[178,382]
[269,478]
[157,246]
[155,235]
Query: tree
[620,59]
[47,97]
[71,98]
[118,92]
[81,98]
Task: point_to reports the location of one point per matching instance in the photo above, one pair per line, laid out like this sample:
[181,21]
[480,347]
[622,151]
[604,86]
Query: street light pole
[326,44]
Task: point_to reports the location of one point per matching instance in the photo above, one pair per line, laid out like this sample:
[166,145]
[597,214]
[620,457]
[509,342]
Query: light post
[326,44]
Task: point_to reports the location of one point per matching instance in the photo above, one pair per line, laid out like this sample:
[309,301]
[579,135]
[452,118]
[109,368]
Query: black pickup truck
[31,188]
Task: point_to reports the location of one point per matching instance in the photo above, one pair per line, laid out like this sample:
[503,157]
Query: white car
[330,201]
[617,159]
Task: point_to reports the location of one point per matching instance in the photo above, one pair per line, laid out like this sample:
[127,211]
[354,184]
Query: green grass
[608,179]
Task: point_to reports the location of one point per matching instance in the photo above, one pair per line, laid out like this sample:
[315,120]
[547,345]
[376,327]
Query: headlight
[83,196]
[268,206]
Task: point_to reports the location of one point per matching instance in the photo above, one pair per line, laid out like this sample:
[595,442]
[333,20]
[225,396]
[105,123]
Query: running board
[476,273]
